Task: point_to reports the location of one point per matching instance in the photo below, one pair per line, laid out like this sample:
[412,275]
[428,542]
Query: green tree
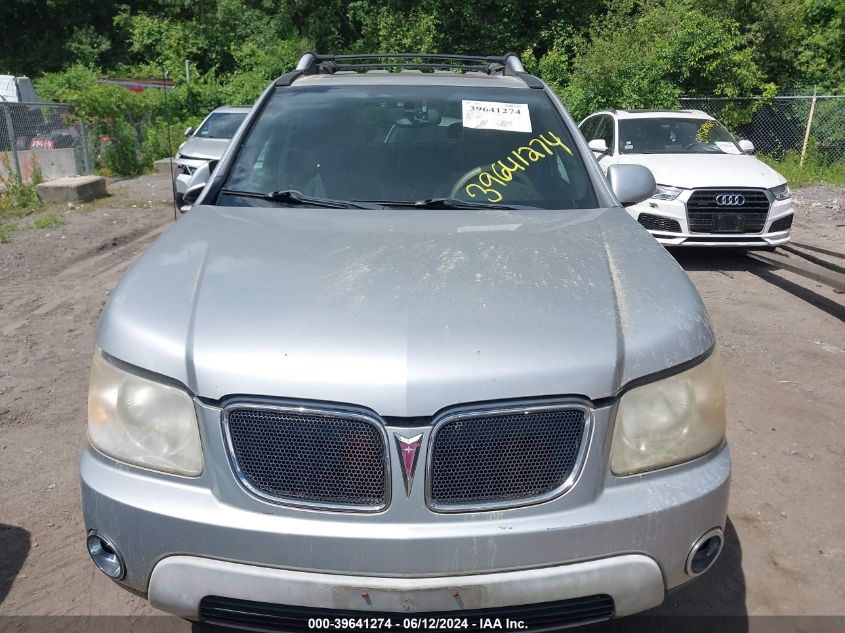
[646,54]
[38,36]
[87,46]
[822,53]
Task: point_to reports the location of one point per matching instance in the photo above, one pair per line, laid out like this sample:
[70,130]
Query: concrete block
[53,163]
[162,166]
[81,188]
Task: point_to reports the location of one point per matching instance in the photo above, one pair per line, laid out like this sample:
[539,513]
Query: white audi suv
[711,191]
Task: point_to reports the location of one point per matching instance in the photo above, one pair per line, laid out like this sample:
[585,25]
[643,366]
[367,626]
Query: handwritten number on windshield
[502,171]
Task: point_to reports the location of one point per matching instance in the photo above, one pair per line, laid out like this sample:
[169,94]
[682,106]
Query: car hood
[405,312]
[707,170]
[205,148]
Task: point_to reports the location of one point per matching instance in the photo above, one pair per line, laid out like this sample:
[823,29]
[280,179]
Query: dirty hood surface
[707,170]
[205,148]
[407,311]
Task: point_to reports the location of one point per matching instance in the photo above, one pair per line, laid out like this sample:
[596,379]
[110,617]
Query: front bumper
[183,172]
[179,584]
[170,530]
[677,210]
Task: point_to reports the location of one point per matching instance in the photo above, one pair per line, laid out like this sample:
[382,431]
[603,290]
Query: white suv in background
[710,191]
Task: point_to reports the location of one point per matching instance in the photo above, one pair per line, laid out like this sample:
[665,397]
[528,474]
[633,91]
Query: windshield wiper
[298,198]
[448,203]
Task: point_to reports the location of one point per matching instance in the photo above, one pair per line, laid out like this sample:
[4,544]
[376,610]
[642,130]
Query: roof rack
[312,63]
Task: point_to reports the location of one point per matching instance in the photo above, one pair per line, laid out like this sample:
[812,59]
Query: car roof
[658,114]
[413,78]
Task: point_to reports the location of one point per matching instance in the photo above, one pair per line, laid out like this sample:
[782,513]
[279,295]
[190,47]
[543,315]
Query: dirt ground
[782,340]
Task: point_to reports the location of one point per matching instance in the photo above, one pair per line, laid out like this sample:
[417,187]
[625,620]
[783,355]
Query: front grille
[308,457]
[544,616]
[659,223]
[506,457]
[781,224]
[706,216]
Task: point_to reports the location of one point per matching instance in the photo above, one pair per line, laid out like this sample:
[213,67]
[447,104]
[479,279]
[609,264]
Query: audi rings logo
[730,200]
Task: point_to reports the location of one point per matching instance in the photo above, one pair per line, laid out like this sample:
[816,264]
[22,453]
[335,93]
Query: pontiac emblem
[408,449]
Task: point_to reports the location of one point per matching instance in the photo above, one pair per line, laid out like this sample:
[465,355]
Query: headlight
[142,422]
[670,421]
[781,192]
[665,192]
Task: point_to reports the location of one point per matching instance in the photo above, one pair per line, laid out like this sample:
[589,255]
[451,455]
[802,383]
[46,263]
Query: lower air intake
[781,224]
[658,223]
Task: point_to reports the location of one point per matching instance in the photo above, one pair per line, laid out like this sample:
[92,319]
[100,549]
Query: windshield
[396,143]
[675,136]
[221,125]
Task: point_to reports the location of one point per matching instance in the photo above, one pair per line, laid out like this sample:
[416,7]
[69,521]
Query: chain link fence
[129,145]
[42,141]
[805,125]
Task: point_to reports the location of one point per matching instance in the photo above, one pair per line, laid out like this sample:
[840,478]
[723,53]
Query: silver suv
[406,357]
[205,144]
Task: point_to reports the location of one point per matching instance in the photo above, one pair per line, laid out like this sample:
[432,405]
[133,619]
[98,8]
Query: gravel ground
[782,341]
[820,217]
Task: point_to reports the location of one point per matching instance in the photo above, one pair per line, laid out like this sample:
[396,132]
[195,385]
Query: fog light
[704,552]
[105,556]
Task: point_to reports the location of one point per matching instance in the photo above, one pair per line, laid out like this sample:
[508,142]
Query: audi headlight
[142,422]
[664,192]
[670,421]
[781,192]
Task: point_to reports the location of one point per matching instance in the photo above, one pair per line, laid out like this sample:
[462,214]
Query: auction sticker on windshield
[493,115]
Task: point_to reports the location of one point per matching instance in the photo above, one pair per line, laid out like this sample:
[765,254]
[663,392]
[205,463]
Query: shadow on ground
[14,548]
[728,261]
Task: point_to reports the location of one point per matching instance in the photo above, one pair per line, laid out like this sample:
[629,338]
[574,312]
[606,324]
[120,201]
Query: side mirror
[746,146]
[198,181]
[599,146]
[189,131]
[631,183]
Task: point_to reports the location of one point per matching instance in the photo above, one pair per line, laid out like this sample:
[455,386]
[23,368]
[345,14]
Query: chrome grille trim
[242,479]
[565,486]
